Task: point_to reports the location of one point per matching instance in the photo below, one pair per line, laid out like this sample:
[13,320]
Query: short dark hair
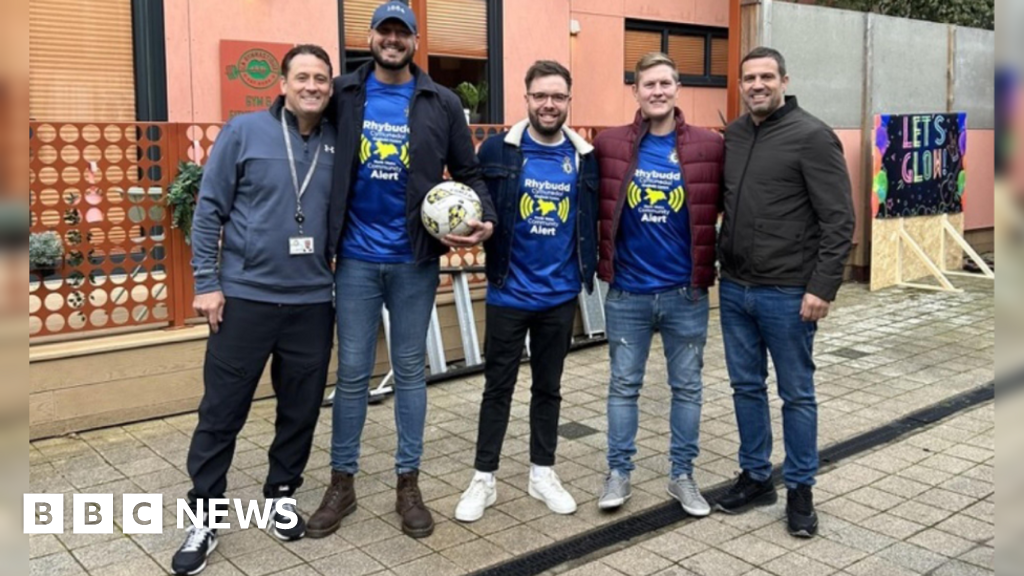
[765,52]
[543,68]
[312,50]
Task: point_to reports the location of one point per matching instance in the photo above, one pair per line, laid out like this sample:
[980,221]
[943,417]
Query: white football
[448,207]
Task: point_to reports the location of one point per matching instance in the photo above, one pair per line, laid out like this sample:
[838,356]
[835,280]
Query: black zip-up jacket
[438,137]
[788,203]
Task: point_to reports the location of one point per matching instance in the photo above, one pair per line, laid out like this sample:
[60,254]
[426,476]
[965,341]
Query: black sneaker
[746,493]
[278,520]
[191,557]
[800,515]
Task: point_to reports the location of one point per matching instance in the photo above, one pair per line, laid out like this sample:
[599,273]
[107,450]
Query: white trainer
[481,494]
[546,487]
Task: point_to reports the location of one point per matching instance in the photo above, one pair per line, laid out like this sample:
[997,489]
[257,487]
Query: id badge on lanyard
[300,245]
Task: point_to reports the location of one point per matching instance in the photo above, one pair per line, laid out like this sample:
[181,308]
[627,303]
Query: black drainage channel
[670,513]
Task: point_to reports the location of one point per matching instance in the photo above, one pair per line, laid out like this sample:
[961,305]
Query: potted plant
[45,252]
[181,197]
[472,95]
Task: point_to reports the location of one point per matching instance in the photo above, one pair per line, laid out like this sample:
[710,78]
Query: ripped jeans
[681,316]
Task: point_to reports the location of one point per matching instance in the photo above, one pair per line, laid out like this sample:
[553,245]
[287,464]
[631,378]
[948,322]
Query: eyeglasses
[542,97]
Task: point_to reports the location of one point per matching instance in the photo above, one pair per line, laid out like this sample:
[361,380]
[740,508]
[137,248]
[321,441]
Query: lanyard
[299,191]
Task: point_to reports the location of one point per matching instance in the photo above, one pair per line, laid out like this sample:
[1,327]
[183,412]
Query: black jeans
[298,338]
[550,337]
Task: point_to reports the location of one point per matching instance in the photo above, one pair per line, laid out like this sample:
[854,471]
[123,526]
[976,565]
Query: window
[458,46]
[701,53]
[81,66]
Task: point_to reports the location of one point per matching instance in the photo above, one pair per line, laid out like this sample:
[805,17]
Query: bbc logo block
[93,513]
[44,513]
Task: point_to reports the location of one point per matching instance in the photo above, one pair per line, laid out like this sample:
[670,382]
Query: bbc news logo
[143,513]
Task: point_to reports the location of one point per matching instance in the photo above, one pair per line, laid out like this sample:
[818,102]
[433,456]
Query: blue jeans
[681,316]
[756,321]
[408,291]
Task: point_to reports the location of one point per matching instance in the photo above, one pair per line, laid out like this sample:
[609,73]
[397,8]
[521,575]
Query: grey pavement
[921,505]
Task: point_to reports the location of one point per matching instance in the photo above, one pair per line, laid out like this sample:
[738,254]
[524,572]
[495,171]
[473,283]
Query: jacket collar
[515,137]
[639,122]
[788,106]
[359,77]
[277,108]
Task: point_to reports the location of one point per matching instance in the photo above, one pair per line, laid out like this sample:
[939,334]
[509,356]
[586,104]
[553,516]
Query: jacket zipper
[689,213]
[739,190]
[621,200]
[408,170]
[579,195]
[512,236]
[353,169]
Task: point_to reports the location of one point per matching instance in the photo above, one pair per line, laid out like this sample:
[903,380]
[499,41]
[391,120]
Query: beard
[378,58]
[772,103]
[542,129]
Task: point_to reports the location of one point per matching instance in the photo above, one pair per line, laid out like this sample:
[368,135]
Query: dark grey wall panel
[974,88]
[824,50]
[909,65]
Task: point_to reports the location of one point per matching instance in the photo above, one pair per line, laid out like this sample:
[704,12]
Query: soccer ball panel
[448,207]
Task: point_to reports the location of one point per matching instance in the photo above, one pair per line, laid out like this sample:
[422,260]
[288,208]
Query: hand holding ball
[448,209]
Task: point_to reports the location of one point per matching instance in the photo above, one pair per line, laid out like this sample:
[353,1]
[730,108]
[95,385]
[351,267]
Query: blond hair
[652,59]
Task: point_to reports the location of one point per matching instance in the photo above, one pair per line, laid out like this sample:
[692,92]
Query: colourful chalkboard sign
[919,164]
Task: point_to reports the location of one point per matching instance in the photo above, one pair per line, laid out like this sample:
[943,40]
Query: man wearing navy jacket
[543,178]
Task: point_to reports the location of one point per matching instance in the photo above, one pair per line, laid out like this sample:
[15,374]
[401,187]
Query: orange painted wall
[979,198]
[533,30]
[536,29]
[194,30]
[852,147]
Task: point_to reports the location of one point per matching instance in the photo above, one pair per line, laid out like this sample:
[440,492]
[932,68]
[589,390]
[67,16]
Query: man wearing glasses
[660,185]
[543,179]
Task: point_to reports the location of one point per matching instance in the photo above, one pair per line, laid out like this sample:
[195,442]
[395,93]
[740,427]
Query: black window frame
[149,57]
[667,29]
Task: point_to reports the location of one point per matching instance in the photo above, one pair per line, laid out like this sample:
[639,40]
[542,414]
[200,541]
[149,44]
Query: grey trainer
[685,490]
[616,491]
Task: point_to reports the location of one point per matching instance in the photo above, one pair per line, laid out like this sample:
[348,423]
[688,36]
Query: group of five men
[310,212]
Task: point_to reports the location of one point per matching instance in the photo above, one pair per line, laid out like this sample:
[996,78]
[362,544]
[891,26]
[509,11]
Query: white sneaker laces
[196,537]
[477,489]
[551,483]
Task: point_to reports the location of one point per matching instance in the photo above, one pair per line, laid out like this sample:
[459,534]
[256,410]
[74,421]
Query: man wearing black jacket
[786,234]
[397,131]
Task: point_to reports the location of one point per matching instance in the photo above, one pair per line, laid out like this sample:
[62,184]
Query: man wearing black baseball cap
[395,10]
[397,131]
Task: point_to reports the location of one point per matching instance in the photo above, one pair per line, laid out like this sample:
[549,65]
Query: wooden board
[927,231]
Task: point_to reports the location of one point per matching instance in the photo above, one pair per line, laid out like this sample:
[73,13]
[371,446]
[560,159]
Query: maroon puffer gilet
[702,161]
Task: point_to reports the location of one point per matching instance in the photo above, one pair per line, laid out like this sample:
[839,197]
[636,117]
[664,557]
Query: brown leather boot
[339,501]
[416,519]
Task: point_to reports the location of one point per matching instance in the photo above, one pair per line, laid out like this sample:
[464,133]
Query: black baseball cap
[394,10]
